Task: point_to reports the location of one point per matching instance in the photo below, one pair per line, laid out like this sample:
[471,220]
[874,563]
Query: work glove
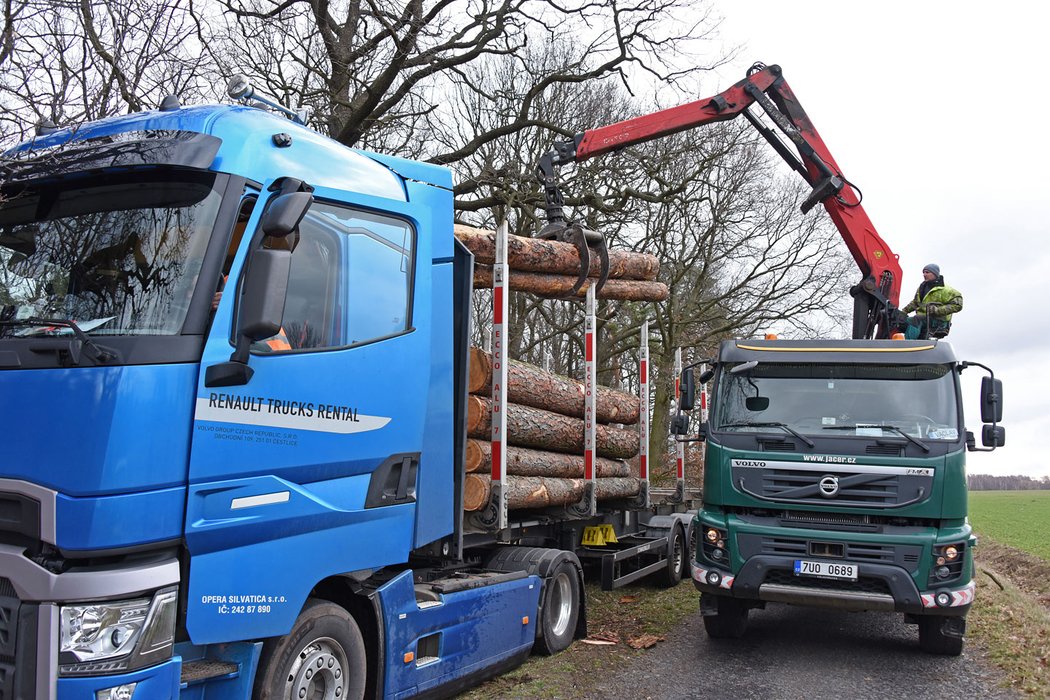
[935,310]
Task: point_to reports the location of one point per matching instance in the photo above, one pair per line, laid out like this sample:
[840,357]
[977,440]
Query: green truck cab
[835,476]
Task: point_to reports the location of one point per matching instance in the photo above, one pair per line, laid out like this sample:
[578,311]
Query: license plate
[825,569]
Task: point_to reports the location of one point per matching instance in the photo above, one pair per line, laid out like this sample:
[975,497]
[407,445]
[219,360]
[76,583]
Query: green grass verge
[1012,623]
[1017,518]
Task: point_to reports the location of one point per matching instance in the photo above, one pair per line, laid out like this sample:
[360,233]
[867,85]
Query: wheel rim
[319,672]
[559,604]
[679,559]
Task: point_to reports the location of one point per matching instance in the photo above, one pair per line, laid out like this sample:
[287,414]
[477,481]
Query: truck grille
[873,486]
[864,584]
[17,645]
[904,556]
[806,485]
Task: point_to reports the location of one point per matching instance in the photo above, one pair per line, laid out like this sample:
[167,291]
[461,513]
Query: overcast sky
[938,111]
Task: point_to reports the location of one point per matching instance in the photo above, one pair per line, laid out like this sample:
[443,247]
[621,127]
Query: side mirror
[993,436]
[680,424]
[705,376]
[687,391]
[262,305]
[284,213]
[261,314]
[991,400]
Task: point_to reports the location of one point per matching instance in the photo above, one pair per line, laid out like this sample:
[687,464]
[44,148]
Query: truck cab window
[350,280]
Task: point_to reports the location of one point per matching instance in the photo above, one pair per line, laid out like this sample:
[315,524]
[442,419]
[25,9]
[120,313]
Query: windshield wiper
[895,428]
[100,354]
[783,426]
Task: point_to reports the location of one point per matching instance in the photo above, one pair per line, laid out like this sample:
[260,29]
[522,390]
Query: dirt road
[791,652]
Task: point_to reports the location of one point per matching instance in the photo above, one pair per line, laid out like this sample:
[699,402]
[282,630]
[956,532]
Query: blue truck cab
[214,487]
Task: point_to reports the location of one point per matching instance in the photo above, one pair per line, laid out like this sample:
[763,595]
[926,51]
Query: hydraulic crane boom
[877,294]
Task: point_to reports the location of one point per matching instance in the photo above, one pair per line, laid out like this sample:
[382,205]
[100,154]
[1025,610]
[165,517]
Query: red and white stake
[590,422]
[500,290]
[643,398]
[679,446]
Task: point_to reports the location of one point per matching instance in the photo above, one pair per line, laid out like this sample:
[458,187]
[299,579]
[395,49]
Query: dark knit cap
[932,267]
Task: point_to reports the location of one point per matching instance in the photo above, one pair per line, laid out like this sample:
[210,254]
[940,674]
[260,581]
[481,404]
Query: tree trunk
[555,257]
[522,461]
[556,286]
[539,429]
[543,492]
[529,385]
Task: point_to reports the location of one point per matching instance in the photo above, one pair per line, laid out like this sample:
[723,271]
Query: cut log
[555,286]
[529,385]
[554,257]
[522,461]
[543,492]
[544,430]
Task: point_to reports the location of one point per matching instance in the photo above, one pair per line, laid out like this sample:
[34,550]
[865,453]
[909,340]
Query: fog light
[120,692]
[951,552]
[717,553]
[940,561]
[943,572]
[720,544]
[713,577]
[943,600]
[711,535]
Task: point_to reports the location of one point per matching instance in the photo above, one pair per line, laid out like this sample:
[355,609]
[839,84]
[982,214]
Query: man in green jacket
[934,304]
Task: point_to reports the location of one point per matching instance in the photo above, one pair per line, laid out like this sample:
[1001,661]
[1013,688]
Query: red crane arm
[878,293]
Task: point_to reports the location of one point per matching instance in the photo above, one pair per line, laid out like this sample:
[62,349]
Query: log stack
[550,268]
[545,436]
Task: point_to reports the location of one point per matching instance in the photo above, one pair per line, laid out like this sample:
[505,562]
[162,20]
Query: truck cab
[835,476]
[154,499]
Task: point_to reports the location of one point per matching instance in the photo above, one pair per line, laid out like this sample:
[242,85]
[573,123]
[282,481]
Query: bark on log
[529,385]
[554,257]
[522,461]
[542,492]
[555,286]
[544,430]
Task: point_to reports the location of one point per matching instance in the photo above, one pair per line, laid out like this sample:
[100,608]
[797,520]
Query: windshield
[833,399]
[117,256]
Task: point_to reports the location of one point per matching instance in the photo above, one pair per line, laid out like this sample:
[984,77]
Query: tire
[560,610]
[671,576]
[323,656]
[729,620]
[933,640]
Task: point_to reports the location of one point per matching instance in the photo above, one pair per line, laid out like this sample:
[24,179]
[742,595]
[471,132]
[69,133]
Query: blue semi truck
[233,370]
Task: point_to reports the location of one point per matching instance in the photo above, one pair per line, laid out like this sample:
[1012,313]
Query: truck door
[309,469]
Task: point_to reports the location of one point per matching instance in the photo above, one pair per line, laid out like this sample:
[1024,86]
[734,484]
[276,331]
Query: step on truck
[835,476]
[233,360]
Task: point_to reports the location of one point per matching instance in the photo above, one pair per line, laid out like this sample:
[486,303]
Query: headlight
[120,635]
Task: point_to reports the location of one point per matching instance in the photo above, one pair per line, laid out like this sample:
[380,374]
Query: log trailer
[259,494]
[835,469]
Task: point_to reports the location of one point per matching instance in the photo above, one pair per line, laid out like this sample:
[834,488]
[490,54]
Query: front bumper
[159,682]
[880,587]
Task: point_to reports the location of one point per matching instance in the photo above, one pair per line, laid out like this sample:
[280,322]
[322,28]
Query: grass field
[1017,518]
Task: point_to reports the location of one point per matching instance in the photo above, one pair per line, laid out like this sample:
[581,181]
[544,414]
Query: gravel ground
[792,652]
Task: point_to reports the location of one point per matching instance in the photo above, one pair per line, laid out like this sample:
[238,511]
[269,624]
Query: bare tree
[376,74]
[67,61]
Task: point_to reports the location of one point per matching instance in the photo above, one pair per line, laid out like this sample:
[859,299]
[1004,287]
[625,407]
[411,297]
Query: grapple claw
[584,239]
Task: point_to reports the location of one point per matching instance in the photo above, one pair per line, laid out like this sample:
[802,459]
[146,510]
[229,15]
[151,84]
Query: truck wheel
[322,657]
[561,609]
[672,575]
[933,640]
[729,620]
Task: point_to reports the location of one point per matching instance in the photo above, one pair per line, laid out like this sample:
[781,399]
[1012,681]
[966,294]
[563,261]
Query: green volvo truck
[835,476]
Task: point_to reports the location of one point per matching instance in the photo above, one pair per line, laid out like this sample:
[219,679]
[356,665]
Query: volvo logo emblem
[829,486]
